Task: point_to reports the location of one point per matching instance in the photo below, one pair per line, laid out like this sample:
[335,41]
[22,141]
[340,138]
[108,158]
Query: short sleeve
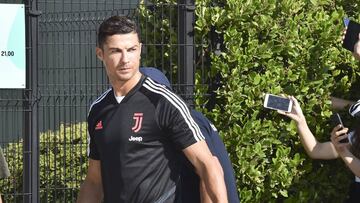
[93,152]
[175,117]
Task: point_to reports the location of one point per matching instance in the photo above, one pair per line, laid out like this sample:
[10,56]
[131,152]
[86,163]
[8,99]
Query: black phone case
[351,36]
[335,120]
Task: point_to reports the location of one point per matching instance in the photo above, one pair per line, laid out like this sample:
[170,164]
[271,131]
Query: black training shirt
[138,142]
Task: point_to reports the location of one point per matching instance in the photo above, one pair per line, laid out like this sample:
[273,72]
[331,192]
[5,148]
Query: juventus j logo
[138,117]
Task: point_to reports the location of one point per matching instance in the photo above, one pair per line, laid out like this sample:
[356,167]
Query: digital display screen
[278,103]
[12,46]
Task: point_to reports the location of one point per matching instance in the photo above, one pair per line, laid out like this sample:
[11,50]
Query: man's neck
[121,88]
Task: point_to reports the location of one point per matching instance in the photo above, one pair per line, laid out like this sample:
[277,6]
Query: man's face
[121,56]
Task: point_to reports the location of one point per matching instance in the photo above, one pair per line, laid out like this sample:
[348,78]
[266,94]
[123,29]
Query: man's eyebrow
[114,48]
[135,46]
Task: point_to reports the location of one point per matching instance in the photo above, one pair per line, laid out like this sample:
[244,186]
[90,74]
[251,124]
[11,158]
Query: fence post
[31,137]
[186,48]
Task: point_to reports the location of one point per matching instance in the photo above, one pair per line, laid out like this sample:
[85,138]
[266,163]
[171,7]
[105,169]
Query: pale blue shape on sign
[16,40]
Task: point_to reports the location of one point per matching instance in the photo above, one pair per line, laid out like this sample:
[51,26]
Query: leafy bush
[63,164]
[159,28]
[280,47]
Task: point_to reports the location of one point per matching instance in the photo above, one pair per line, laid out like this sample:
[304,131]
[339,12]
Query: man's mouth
[124,68]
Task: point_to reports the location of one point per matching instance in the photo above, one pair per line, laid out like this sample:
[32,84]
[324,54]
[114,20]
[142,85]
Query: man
[138,129]
[4,170]
[190,181]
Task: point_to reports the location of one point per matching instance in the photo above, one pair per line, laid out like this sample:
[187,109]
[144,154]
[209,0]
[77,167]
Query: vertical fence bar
[27,116]
[186,48]
[31,142]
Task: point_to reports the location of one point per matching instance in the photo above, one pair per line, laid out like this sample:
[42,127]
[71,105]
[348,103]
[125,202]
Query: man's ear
[99,53]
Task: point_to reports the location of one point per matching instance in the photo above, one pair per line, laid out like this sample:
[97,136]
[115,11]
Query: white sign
[12,46]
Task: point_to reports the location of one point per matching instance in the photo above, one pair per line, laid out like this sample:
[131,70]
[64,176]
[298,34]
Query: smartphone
[277,103]
[336,120]
[352,34]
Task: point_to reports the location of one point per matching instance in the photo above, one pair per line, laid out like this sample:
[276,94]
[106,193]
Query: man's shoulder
[155,87]
[160,93]
[100,104]
[100,99]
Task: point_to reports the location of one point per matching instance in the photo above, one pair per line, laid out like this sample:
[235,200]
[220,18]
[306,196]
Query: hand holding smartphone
[277,103]
[336,120]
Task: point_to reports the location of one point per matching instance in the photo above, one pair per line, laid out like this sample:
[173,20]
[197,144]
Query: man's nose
[125,57]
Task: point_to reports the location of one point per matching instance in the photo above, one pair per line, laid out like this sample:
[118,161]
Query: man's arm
[204,195]
[209,170]
[91,189]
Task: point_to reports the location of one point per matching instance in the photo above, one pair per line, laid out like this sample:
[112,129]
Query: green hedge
[63,165]
[280,47]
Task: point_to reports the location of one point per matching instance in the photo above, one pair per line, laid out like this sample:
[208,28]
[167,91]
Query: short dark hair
[116,25]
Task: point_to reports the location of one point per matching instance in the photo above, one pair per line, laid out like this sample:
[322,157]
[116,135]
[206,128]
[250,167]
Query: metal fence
[43,128]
